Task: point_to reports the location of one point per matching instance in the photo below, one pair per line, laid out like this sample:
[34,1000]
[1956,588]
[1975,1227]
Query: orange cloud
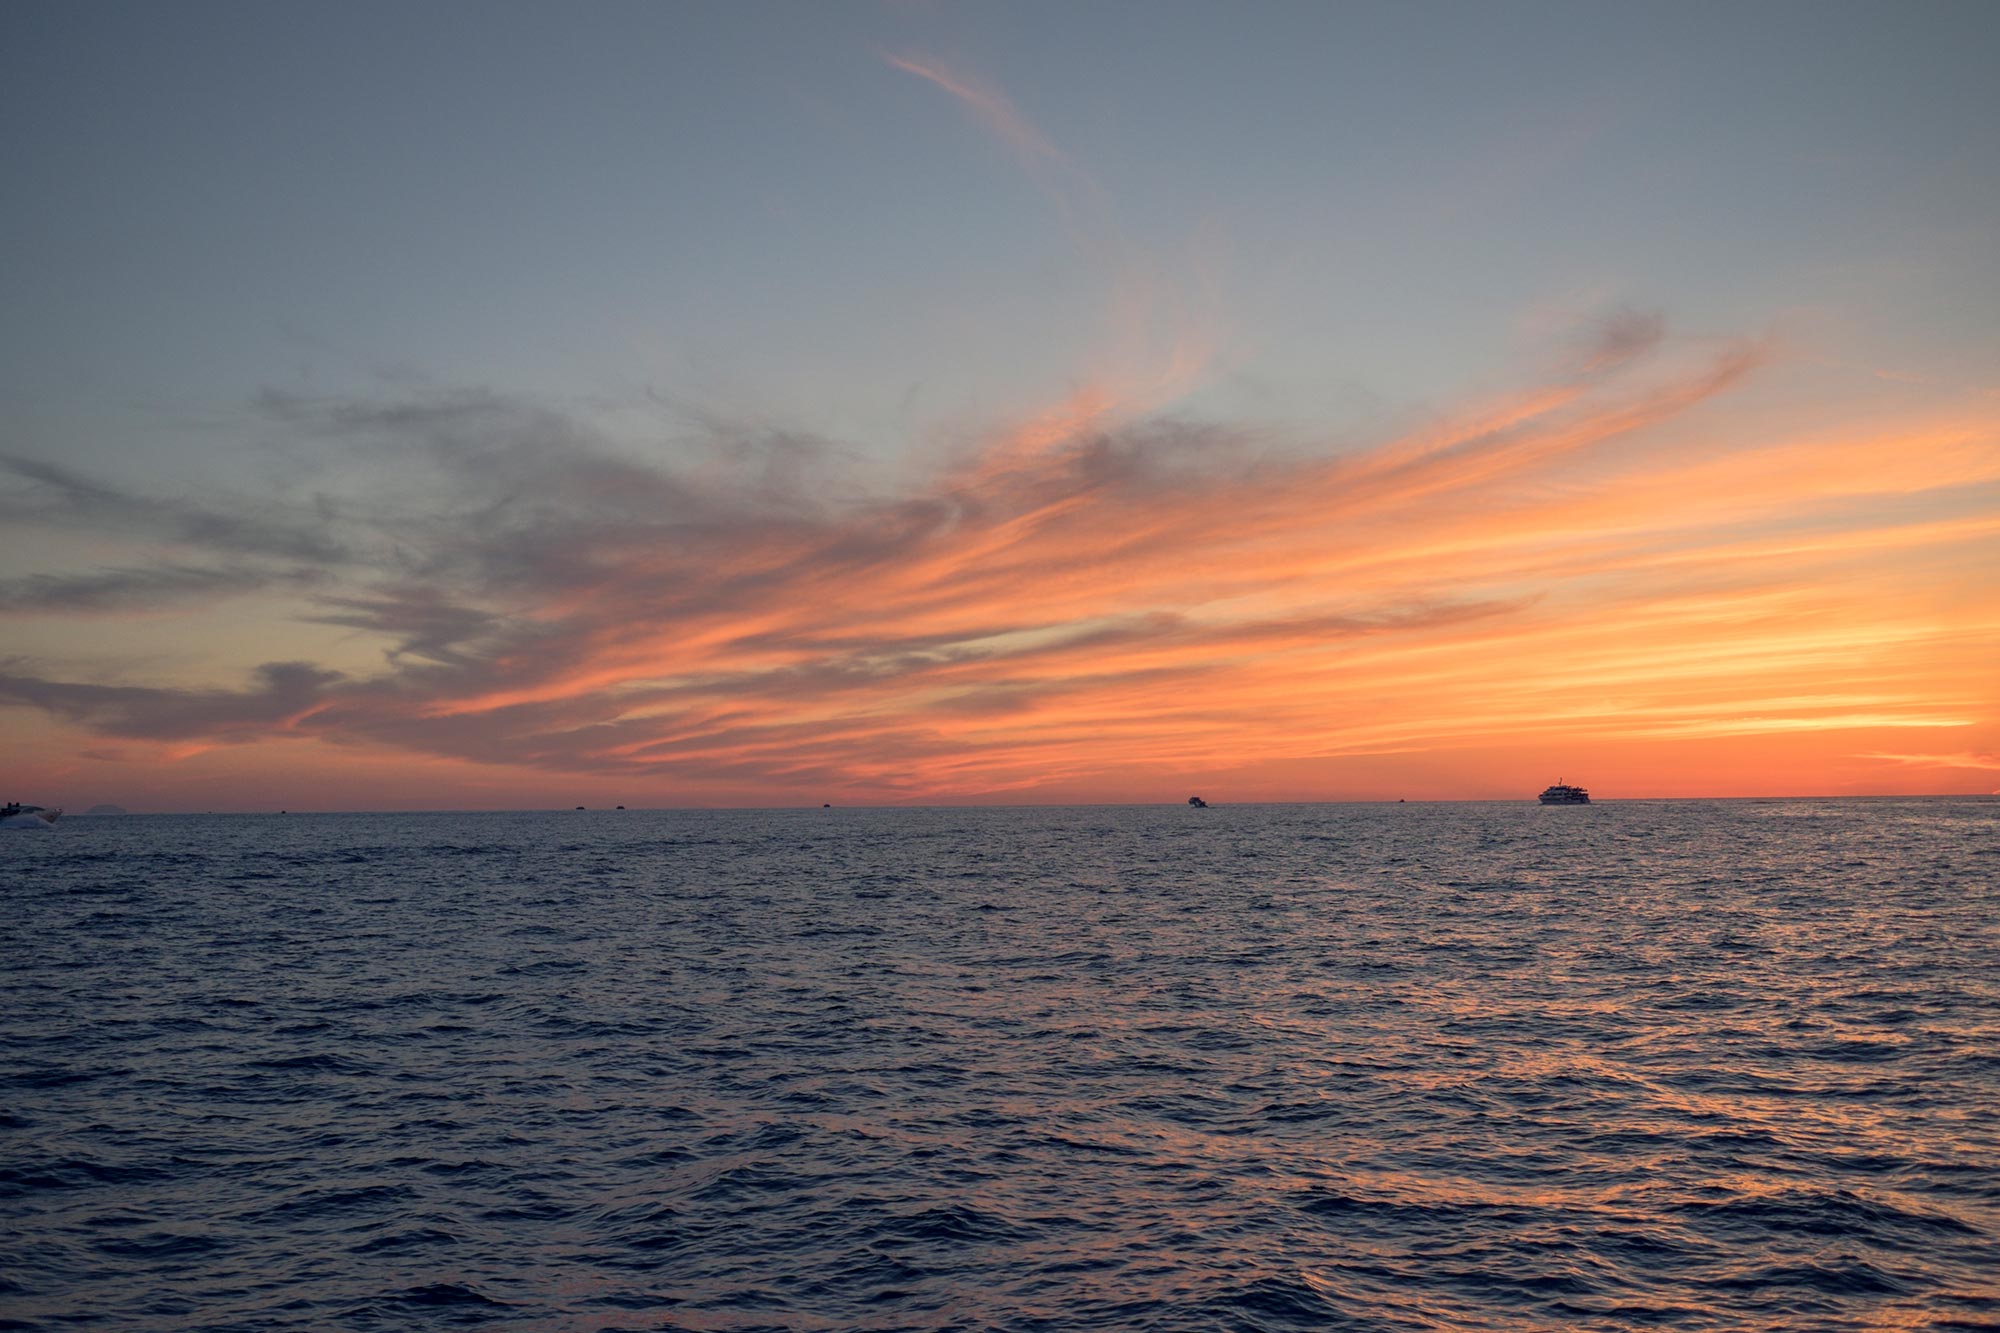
[1092,599]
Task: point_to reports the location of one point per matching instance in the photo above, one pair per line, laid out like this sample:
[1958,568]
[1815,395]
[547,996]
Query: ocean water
[1639,1065]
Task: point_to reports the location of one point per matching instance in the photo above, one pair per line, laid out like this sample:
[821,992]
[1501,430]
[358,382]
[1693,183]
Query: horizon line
[1033,805]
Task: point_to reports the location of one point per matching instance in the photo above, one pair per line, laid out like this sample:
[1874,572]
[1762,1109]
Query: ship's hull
[1565,800]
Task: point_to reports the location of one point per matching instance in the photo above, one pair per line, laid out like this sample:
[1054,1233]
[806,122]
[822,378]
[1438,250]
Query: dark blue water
[1647,1065]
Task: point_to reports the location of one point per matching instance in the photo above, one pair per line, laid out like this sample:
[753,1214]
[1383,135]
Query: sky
[503,405]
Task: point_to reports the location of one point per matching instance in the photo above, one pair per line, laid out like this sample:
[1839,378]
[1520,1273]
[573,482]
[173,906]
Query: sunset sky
[499,405]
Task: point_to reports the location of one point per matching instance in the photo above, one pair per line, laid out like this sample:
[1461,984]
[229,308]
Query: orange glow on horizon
[1068,613]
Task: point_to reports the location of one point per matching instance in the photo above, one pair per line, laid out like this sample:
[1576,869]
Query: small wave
[1855,1277]
[957,1224]
[330,1203]
[1274,1303]
[328,1063]
[418,1238]
[157,1246]
[75,1173]
[438,1294]
[1838,1213]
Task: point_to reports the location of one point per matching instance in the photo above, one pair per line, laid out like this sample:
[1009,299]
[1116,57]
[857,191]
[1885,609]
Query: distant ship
[1561,794]
[15,815]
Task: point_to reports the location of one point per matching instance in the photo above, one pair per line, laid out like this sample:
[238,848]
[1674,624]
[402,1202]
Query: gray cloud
[137,589]
[425,623]
[281,691]
[1618,338]
[57,496]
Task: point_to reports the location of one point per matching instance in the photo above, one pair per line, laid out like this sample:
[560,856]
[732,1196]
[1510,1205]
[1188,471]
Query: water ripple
[1633,1066]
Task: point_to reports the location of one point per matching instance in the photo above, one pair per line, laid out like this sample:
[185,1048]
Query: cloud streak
[123,590]
[1082,202]
[282,692]
[42,493]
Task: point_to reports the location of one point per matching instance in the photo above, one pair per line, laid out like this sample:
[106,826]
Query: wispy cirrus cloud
[1082,202]
[1964,759]
[1157,592]
[1160,337]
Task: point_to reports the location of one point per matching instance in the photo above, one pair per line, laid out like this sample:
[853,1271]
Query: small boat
[15,815]
[1197,803]
[1563,794]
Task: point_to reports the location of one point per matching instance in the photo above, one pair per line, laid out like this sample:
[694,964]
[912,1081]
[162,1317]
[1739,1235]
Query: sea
[1636,1065]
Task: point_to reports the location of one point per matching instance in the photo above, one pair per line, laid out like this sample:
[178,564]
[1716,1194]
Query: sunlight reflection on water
[1706,1064]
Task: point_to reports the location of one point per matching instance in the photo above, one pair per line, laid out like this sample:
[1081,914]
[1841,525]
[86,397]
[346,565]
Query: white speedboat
[15,815]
